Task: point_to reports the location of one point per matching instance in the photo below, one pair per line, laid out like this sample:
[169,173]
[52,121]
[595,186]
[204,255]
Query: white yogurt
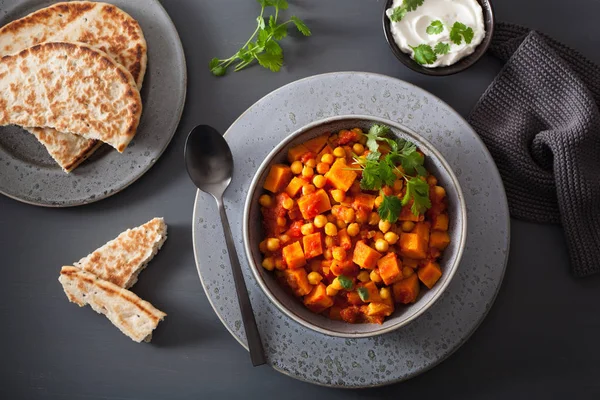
[412,29]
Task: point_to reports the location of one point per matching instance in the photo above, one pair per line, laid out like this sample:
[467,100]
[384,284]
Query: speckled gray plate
[28,173]
[352,363]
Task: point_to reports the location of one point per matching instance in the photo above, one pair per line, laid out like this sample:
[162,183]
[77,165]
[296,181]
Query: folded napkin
[540,120]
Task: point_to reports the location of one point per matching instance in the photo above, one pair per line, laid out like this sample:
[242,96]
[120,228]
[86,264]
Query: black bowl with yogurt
[415,23]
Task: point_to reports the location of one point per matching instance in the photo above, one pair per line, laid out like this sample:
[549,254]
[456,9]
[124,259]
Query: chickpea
[358,149]
[307,229]
[375,277]
[353,229]
[265,200]
[363,140]
[268,264]
[296,167]
[339,152]
[314,278]
[381,245]
[331,229]
[371,234]
[263,246]
[279,264]
[281,221]
[336,284]
[432,180]
[407,226]
[327,254]
[329,242]
[327,159]
[341,224]
[378,201]
[384,226]
[338,195]
[288,203]
[349,215]
[363,276]
[374,218]
[331,291]
[362,216]
[311,162]
[398,185]
[322,168]
[385,293]
[284,238]
[273,244]
[319,181]
[308,189]
[338,253]
[307,171]
[320,221]
[407,271]
[391,237]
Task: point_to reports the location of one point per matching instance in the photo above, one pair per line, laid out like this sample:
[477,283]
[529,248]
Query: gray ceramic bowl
[293,307]
[461,65]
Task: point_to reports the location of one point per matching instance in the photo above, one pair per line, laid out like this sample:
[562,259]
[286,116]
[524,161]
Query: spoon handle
[257,354]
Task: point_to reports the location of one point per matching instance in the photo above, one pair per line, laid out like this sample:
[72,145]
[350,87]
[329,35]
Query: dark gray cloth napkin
[540,121]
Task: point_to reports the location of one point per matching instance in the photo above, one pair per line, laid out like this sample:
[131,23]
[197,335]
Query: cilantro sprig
[407,5]
[425,54]
[265,49]
[459,32]
[380,170]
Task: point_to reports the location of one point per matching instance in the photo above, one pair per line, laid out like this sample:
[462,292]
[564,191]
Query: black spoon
[209,164]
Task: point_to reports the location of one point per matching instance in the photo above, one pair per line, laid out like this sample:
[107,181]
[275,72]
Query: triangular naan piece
[121,260]
[133,316]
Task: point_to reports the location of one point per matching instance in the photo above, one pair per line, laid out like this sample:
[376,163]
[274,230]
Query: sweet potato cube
[421,229]
[354,298]
[334,313]
[278,178]
[409,262]
[437,194]
[440,222]
[439,240]
[294,256]
[297,280]
[364,201]
[312,245]
[429,273]
[314,204]
[295,186]
[407,215]
[377,309]
[412,246]
[346,268]
[365,256]
[326,150]
[407,290]
[317,300]
[390,268]
[372,291]
[315,145]
[344,239]
[340,176]
[296,152]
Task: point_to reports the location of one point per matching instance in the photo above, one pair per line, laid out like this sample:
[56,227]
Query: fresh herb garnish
[266,50]
[345,282]
[407,5]
[442,48]
[390,208]
[424,54]
[363,293]
[435,28]
[417,190]
[380,170]
[460,31]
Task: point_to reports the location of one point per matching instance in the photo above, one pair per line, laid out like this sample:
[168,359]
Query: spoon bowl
[209,164]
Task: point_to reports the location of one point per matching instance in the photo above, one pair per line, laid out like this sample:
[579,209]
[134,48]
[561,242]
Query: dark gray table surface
[540,339]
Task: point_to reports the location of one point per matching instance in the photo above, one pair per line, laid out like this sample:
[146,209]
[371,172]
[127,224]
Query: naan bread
[70,87]
[133,316]
[121,260]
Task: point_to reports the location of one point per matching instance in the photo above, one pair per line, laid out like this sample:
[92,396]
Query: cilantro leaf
[377,174]
[301,26]
[216,68]
[398,13]
[272,47]
[363,293]
[376,132]
[373,156]
[424,54]
[417,190]
[411,162]
[345,282]
[411,5]
[390,208]
[270,61]
[460,31]
[261,22]
[442,48]
[436,27]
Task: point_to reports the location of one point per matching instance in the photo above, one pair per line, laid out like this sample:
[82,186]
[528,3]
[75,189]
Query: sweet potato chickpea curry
[354,224]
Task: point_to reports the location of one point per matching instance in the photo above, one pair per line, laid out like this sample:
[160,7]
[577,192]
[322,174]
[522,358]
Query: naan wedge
[99,25]
[133,316]
[73,88]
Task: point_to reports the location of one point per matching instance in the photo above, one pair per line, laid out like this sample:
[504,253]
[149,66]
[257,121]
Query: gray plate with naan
[29,174]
